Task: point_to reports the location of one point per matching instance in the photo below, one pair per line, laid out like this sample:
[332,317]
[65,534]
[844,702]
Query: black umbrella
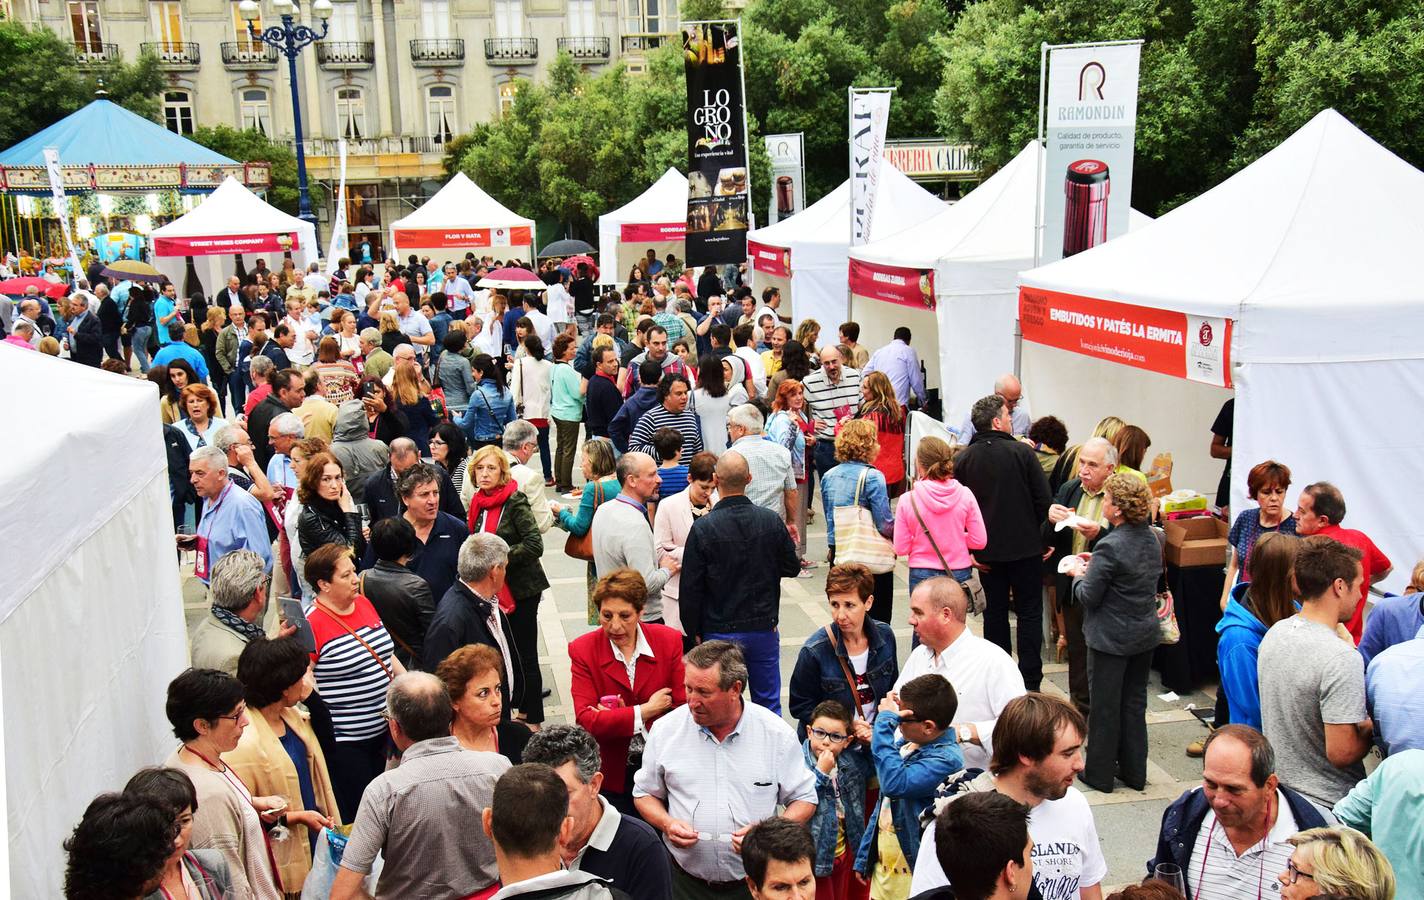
[566,247]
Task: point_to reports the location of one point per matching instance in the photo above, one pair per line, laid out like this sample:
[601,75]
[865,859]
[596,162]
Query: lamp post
[289,39]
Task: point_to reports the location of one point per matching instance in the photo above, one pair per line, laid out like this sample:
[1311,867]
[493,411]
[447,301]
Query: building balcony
[586,49]
[95,54]
[174,55]
[359,147]
[346,54]
[511,51]
[442,52]
[642,43]
[248,55]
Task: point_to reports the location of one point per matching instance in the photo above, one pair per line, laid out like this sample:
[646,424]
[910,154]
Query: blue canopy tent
[104,147]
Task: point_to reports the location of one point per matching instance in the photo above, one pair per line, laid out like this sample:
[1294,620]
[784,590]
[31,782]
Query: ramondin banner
[718,198]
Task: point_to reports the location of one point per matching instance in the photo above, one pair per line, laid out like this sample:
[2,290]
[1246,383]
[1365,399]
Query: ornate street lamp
[289,38]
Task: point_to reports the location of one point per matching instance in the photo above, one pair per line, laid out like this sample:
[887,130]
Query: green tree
[251,145]
[41,82]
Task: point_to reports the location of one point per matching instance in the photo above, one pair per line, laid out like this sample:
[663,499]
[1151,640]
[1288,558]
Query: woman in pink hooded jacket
[937,523]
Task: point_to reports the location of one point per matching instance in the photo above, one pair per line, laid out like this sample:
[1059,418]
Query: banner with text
[340,245]
[453,238]
[651,233]
[788,176]
[1159,340]
[225,244]
[1091,123]
[718,198]
[769,259]
[893,284]
[869,113]
[61,207]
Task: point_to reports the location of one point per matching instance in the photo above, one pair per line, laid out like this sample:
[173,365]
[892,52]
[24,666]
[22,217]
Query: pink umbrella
[513,278]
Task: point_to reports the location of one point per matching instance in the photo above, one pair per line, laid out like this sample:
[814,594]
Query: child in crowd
[909,769]
[671,468]
[839,821]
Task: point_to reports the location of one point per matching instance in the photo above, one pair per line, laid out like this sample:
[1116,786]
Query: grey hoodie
[353,447]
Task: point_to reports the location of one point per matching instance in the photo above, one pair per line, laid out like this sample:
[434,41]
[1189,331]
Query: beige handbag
[857,539]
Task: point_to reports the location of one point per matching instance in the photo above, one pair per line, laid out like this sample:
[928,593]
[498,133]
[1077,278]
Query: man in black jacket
[85,334]
[740,602]
[1007,480]
[1081,497]
[380,494]
[1246,812]
[469,613]
[110,322]
[288,392]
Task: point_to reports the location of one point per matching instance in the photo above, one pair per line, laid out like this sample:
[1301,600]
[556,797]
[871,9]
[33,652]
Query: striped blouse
[349,678]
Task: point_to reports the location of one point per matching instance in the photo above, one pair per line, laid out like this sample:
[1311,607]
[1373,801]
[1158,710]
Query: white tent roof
[462,204]
[819,235]
[1313,249]
[231,209]
[664,201]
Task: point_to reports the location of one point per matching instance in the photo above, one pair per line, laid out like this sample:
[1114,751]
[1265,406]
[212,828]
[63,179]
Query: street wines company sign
[225,244]
[718,208]
[1197,348]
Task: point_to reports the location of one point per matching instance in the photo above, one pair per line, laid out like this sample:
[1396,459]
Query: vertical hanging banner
[61,207]
[718,198]
[869,113]
[788,176]
[340,245]
[1091,120]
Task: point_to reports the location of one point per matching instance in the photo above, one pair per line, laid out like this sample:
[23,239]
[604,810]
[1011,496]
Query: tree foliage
[1222,81]
[41,82]
[251,145]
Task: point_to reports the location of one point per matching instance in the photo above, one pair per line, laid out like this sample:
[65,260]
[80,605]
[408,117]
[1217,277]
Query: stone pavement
[1127,820]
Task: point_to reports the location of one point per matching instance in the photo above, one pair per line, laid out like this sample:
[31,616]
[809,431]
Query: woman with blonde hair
[1336,862]
[499,507]
[807,334]
[1066,468]
[213,325]
[856,482]
[391,334]
[938,523]
[1117,586]
[879,406]
[411,393]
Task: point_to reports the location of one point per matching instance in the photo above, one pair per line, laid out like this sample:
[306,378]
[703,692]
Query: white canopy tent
[1310,256]
[974,250]
[230,221]
[462,218]
[654,220]
[91,627]
[806,255]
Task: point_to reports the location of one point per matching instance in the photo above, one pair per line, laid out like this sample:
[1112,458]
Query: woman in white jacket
[673,521]
[531,385]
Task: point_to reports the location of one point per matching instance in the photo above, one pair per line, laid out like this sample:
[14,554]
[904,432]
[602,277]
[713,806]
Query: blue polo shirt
[435,560]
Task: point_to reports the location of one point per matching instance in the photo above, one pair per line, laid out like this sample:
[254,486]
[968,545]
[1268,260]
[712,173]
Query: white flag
[61,206]
[340,245]
[869,112]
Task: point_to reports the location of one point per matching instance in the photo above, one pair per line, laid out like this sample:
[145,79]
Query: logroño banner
[893,284]
[788,176]
[869,115]
[718,198]
[1091,123]
[1159,340]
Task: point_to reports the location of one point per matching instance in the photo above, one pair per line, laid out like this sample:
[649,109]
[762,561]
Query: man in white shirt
[745,343]
[559,303]
[543,325]
[985,678]
[316,281]
[1038,744]
[414,325]
[304,349]
[457,290]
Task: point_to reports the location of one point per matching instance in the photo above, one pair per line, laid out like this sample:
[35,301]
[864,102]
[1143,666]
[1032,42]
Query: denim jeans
[140,347]
[237,386]
[545,458]
[762,651]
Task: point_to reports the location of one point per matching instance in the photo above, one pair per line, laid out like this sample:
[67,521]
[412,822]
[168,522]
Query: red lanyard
[212,510]
[246,795]
[1206,855]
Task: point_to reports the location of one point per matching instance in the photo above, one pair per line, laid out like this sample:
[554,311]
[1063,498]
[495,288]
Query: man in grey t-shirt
[1313,681]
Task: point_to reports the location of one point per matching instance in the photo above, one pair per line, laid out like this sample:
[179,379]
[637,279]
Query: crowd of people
[354,482]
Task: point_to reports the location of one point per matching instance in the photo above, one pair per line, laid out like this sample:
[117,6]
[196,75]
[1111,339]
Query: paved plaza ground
[1127,820]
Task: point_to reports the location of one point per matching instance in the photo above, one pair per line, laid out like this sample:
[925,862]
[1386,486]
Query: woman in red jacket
[626,674]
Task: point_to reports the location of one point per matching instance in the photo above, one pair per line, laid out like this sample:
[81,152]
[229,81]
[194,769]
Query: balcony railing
[248,55]
[438,52]
[174,54]
[586,48]
[346,54]
[95,54]
[356,147]
[641,43]
[511,51]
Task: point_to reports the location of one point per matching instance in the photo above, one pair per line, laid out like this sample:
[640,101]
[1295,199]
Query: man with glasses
[1011,389]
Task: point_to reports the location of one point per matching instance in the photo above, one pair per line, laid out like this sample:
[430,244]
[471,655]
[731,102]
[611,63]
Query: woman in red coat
[626,674]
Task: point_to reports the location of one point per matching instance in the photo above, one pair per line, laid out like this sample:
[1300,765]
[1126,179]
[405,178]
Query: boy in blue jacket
[839,821]
[909,769]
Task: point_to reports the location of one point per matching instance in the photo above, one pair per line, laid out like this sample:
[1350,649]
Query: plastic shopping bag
[330,845]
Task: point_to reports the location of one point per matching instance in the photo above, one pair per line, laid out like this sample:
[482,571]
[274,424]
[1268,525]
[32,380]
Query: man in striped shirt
[832,394]
[671,412]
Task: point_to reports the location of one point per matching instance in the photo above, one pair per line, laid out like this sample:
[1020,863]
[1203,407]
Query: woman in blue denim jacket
[856,448]
[864,646]
[491,405]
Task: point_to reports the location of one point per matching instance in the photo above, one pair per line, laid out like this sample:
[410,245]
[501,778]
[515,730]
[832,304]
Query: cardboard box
[1159,477]
[1198,541]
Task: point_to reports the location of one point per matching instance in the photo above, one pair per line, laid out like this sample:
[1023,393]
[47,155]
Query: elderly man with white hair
[83,333]
[30,315]
[282,432]
[1010,388]
[1082,497]
[469,612]
[232,519]
[773,484]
